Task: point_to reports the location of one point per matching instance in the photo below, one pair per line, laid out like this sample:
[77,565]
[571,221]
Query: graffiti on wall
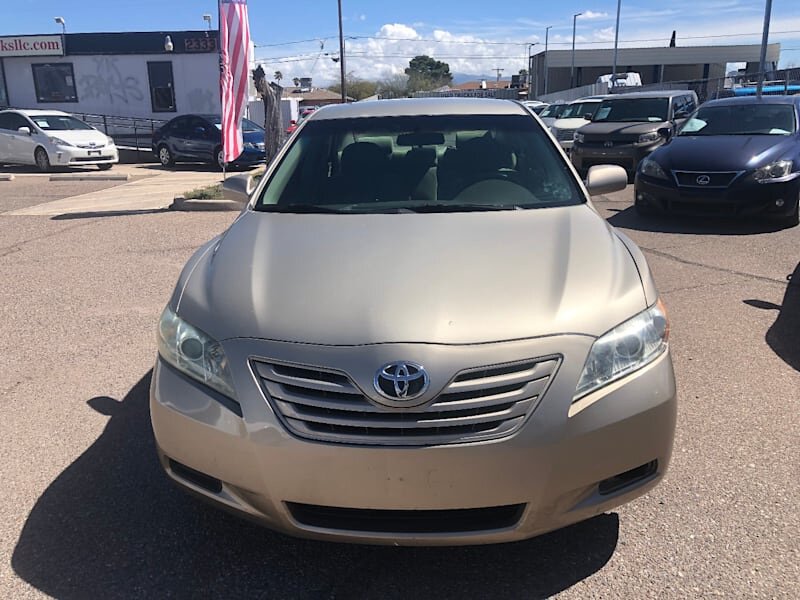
[109,82]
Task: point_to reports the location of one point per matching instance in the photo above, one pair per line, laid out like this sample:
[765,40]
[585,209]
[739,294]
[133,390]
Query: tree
[278,76]
[395,86]
[296,82]
[523,72]
[357,89]
[271,95]
[426,73]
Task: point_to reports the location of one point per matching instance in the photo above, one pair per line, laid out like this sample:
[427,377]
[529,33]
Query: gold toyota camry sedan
[417,331]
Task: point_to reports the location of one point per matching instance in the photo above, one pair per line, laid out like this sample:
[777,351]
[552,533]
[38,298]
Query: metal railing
[128,133]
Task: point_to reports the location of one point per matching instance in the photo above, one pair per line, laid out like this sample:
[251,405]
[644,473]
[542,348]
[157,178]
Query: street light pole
[762,64]
[341,55]
[572,66]
[530,71]
[616,43]
[546,33]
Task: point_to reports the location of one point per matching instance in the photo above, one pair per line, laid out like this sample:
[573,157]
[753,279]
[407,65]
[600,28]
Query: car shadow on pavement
[630,219]
[784,333]
[111,525]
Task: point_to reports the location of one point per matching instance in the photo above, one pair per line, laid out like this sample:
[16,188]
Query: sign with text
[32,45]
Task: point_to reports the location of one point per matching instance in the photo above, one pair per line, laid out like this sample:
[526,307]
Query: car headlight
[194,353]
[109,141]
[649,138]
[578,137]
[624,349]
[774,170]
[59,142]
[651,168]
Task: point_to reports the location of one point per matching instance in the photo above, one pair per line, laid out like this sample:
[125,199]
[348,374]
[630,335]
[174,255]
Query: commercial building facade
[151,75]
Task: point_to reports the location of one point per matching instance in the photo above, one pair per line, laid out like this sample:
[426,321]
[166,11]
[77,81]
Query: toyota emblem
[402,381]
[703,180]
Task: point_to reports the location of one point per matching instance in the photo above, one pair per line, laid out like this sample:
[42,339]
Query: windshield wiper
[298,208]
[435,208]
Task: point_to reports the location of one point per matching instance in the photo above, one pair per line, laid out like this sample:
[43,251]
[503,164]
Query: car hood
[600,128]
[454,278]
[79,136]
[573,123]
[723,152]
[254,137]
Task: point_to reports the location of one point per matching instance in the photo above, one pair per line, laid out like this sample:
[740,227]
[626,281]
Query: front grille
[90,158]
[481,403]
[91,146]
[407,521]
[565,135]
[712,179]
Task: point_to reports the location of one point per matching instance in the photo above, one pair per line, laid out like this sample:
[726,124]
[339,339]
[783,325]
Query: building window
[162,88]
[3,89]
[54,82]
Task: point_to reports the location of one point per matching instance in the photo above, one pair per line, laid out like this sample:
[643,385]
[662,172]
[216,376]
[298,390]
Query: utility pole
[762,64]
[572,66]
[546,33]
[616,43]
[530,71]
[341,55]
[498,70]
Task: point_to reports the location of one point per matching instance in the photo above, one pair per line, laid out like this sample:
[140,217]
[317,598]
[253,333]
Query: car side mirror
[238,188]
[587,116]
[665,132]
[604,179]
[25,130]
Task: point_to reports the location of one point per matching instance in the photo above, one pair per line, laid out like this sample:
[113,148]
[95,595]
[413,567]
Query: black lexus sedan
[198,138]
[735,157]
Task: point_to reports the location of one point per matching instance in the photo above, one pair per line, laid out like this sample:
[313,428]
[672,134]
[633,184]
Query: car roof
[418,106]
[34,112]
[589,99]
[794,100]
[651,94]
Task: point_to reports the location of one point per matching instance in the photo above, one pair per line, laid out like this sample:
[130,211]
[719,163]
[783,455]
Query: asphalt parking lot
[86,512]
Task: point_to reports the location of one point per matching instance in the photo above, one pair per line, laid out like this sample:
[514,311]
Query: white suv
[49,138]
[575,116]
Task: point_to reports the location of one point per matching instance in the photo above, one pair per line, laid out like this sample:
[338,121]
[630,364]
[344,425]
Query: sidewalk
[150,193]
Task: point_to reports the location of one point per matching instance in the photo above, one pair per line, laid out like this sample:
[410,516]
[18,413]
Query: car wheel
[42,160]
[104,167]
[220,156]
[165,156]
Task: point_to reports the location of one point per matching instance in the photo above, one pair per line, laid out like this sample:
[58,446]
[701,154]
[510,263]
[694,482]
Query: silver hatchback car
[418,331]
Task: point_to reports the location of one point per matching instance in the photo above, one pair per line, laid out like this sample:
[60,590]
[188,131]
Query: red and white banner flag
[234,30]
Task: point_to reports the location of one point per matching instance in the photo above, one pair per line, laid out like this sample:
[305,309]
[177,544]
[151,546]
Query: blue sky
[472,37]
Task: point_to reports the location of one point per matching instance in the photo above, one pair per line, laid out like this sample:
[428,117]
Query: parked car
[552,113]
[304,114]
[536,106]
[625,128]
[733,157]
[198,138]
[575,116]
[620,80]
[51,138]
[418,331]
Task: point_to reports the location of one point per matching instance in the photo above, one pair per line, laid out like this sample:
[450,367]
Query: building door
[162,86]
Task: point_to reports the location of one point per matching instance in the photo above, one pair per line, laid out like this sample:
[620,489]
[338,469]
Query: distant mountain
[464,77]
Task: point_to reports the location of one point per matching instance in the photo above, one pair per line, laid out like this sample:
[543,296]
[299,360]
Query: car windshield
[59,123]
[624,110]
[553,111]
[420,164]
[577,110]
[742,119]
[247,125]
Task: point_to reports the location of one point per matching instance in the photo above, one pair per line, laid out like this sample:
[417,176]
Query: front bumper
[742,198]
[627,156]
[72,156]
[545,476]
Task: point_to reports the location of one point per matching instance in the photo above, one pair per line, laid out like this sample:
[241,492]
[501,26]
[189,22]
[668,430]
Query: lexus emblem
[402,381]
[608,144]
[703,180]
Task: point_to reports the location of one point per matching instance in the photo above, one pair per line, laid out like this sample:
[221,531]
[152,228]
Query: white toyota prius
[51,138]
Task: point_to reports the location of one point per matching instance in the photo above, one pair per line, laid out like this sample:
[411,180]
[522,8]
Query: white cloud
[590,14]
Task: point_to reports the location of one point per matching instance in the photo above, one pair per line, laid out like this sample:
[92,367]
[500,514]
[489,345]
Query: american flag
[234,47]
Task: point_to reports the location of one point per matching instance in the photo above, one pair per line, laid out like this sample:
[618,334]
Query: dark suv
[628,127]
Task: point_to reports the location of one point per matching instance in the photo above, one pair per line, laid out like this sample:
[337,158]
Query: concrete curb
[6,177]
[86,177]
[185,204]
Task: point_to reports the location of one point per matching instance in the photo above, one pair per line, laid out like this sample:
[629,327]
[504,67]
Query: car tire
[104,167]
[165,156]
[42,160]
[219,158]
